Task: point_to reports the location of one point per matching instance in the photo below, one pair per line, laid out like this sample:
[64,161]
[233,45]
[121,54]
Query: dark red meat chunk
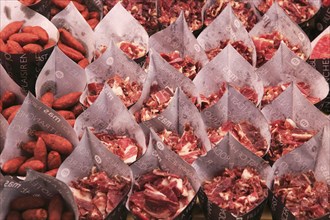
[237,190]
[242,9]
[298,10]
[248,135]
[98,194]
[267,45]
[144,11]
[241,48]
[213,98]
[272,92]
[124,147]
[185,65]
[160,195]
[170,10]
[129,92]
[286,136]
[303,195]
[188,146]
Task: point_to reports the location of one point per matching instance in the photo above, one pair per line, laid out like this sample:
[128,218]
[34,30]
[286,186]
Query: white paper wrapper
[24,68]
[35,184]
[285,66]
[229,153]
[234,107]
[178,37]
[277,20]
[91,152]
[226,27]
[164,75]
[61,75]
[180,112]
[228,66]
[3,131]
[113,61]
[188,113]
[292,104]
[159,156]
[312,155]
[119,25]
[34,116]
[108,114]
[8,84]
[71,19]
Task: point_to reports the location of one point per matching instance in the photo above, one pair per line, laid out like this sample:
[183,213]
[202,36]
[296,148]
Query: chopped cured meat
[242,9]
[132,50]
[303,195]
[145,12]
[160,195]
[298,10]
[97,195]
[185,65]
[124,147]
[129,92]
[248,135]
[213,98]
[286,136]
[188,146]
[237,190]
[157,102]
[272,92]
[267,45]
[170,9]
[241,48]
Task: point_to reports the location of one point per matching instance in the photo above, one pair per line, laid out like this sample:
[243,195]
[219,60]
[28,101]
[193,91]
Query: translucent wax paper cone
[275,26]
[113,67]
[91,156]
[285,67]
[121,27]
[227,29]
[183,131]
[230,154]
[35,192]
[298,116]
[292,104]
[177,37]
[233,109]
[159,159]
[34,121]
[60,75]
[229,67]
[75,25]
[24,65]
[161,78]
[311,160]
[109,119]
